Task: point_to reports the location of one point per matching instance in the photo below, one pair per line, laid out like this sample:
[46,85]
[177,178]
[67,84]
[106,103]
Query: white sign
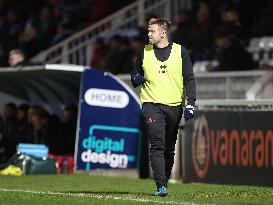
[106,98]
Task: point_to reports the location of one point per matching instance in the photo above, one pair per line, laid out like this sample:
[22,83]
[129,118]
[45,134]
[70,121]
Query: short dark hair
[165,24]
[71,108]
[23,107]
[11,105]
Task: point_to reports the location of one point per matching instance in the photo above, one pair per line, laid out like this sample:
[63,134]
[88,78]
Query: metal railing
[235,105]
[37,85]
[76,49]
[262,89]
[226,85]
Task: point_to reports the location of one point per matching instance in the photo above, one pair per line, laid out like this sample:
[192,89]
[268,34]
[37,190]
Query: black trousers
[161,123]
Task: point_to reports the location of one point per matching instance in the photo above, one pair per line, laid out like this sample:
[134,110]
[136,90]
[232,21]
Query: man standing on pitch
[164,71]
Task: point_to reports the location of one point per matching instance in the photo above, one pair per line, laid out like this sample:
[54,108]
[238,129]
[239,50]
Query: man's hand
[209,67]
[137,79]
[188,112]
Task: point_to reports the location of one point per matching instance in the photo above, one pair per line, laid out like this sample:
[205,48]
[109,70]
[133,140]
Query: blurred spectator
[126,63]
[45,28]
[137,45]
[99,53]
[17,58]
[119,58]
[70,113]
[184,27]
[202,37]
[35,25]
[231,19]
[230,53]
[3,39]
[14,27]
[28,36]
[40,134]
[103,8]
[69,129]
[3,56]
[22,134]
[262,24]
[9,140]
[33,110]
[112,59]
[55,133]
[62,32]
[22,112]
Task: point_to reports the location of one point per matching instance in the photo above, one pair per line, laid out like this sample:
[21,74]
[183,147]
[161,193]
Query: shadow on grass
[111,192]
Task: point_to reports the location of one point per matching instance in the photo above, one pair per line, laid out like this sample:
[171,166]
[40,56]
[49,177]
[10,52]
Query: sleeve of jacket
[137,68]
[188,78]
[138,63]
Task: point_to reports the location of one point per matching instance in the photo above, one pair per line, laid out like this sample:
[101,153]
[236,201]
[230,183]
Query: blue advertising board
[109,134]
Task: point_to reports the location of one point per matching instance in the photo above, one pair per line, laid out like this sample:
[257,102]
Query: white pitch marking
[98,196]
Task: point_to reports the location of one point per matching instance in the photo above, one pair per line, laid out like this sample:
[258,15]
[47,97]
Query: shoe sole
[161,194]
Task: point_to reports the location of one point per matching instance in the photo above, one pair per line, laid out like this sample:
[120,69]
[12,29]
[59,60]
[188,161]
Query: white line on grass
[98,196]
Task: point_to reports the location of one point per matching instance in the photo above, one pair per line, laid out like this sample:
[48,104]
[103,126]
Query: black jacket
[162,54]
[234,58]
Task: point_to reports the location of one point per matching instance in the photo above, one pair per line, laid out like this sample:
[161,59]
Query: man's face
[14,59]
[68,116]
[8,112]
[222,42]
[21,115]
[36,122]
[155,34]
[31,112]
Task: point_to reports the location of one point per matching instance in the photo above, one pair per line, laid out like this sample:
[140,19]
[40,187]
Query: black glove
[137,79]
[188,112]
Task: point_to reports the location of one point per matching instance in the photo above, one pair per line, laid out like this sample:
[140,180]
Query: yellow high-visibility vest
[164,79]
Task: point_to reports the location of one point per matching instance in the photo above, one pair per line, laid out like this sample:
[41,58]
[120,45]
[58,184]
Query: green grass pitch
[100,190]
